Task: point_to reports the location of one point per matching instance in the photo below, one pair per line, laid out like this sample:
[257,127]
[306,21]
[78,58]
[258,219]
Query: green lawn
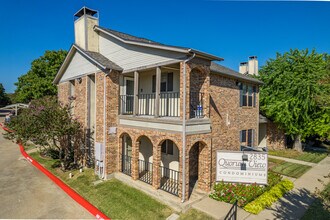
[286,168]
[193,214]
[113,198]
[317,209]
[312,157]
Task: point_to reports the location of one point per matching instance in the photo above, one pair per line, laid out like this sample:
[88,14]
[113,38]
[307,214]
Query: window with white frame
[248,95]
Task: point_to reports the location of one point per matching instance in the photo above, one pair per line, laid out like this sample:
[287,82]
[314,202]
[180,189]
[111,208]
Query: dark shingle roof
[128,37]
[101,59]
[216,68]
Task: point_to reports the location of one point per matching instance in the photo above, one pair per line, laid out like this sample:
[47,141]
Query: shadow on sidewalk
[294,204]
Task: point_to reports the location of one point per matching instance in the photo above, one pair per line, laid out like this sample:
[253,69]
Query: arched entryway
[145,159]
[169,167]
[126,154]
[196,165]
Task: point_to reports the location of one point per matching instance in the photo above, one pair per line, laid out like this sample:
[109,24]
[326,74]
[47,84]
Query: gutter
[184,128]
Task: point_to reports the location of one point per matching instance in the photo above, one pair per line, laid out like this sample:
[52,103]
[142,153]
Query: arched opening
[169,167]
[126,156]
[195,165]
[197,93]
[145,159]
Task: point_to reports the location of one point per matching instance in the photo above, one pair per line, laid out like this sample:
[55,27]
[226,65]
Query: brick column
[156,173]
[135,160]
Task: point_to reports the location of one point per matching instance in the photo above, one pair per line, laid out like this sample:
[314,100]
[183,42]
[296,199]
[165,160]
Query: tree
[292,90]
[48,124]
[4,100]
[37,82]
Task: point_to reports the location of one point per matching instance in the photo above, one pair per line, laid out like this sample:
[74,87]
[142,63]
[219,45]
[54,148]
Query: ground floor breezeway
[160,164]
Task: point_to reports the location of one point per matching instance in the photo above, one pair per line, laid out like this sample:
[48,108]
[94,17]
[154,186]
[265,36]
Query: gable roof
[130,39]
[217,68]
[96,58]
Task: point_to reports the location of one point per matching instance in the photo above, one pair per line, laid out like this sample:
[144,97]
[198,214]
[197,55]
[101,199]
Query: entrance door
[194,167]
[129,95]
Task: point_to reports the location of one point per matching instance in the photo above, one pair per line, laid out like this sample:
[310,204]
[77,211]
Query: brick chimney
[84,21]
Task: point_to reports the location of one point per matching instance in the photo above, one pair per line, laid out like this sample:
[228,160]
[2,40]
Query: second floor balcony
[153,99]
[168,104]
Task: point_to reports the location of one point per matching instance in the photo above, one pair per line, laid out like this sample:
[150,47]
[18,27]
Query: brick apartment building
[160,112]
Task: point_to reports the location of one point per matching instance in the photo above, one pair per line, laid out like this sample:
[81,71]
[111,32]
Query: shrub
[269,197]
[243,193]
[50,125]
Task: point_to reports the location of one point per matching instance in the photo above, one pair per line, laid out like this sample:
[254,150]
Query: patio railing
[169,180]
[145,171]
[126,104]
[126,166]
[169,105]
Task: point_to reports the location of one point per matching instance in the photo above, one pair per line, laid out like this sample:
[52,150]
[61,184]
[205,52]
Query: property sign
[242,167]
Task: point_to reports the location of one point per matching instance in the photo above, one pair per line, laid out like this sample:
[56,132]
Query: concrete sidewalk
[292,206]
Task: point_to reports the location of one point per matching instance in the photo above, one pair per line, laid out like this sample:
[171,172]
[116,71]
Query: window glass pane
[243,136]
[244,103]
[170,82]
[249,138]
[250,101]
[163,86]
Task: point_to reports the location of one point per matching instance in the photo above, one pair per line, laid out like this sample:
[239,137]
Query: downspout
[184,129]
[104,122]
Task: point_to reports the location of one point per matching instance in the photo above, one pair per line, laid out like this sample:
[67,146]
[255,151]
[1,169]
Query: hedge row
[269,197]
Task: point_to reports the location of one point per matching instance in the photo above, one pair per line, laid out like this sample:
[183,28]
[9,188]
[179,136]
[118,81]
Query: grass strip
[114,198]
[313,157]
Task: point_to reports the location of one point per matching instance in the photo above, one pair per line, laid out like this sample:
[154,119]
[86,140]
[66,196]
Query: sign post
[242,167]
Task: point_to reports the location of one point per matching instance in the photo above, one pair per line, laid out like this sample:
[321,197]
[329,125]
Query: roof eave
[59,72]
[206,55]
[252,80]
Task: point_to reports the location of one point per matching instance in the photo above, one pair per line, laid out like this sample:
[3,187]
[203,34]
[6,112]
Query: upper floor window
[166,82]
[247,137]
[248,95]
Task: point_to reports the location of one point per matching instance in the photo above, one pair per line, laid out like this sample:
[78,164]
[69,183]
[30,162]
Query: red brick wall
[227,117]
[275,137]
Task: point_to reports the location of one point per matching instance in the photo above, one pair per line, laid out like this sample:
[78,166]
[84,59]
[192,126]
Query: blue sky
[233,30]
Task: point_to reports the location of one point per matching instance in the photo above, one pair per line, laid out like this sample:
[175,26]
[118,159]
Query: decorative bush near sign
[268,198]
[243,193]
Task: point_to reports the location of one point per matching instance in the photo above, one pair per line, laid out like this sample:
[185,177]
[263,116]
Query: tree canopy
[4,100]
[37,82]
[296,94]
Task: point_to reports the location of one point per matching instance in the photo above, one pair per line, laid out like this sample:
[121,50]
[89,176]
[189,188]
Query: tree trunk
[297,143]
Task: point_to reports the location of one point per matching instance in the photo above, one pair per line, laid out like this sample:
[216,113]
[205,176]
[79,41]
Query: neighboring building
[160,111]
[270,135]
